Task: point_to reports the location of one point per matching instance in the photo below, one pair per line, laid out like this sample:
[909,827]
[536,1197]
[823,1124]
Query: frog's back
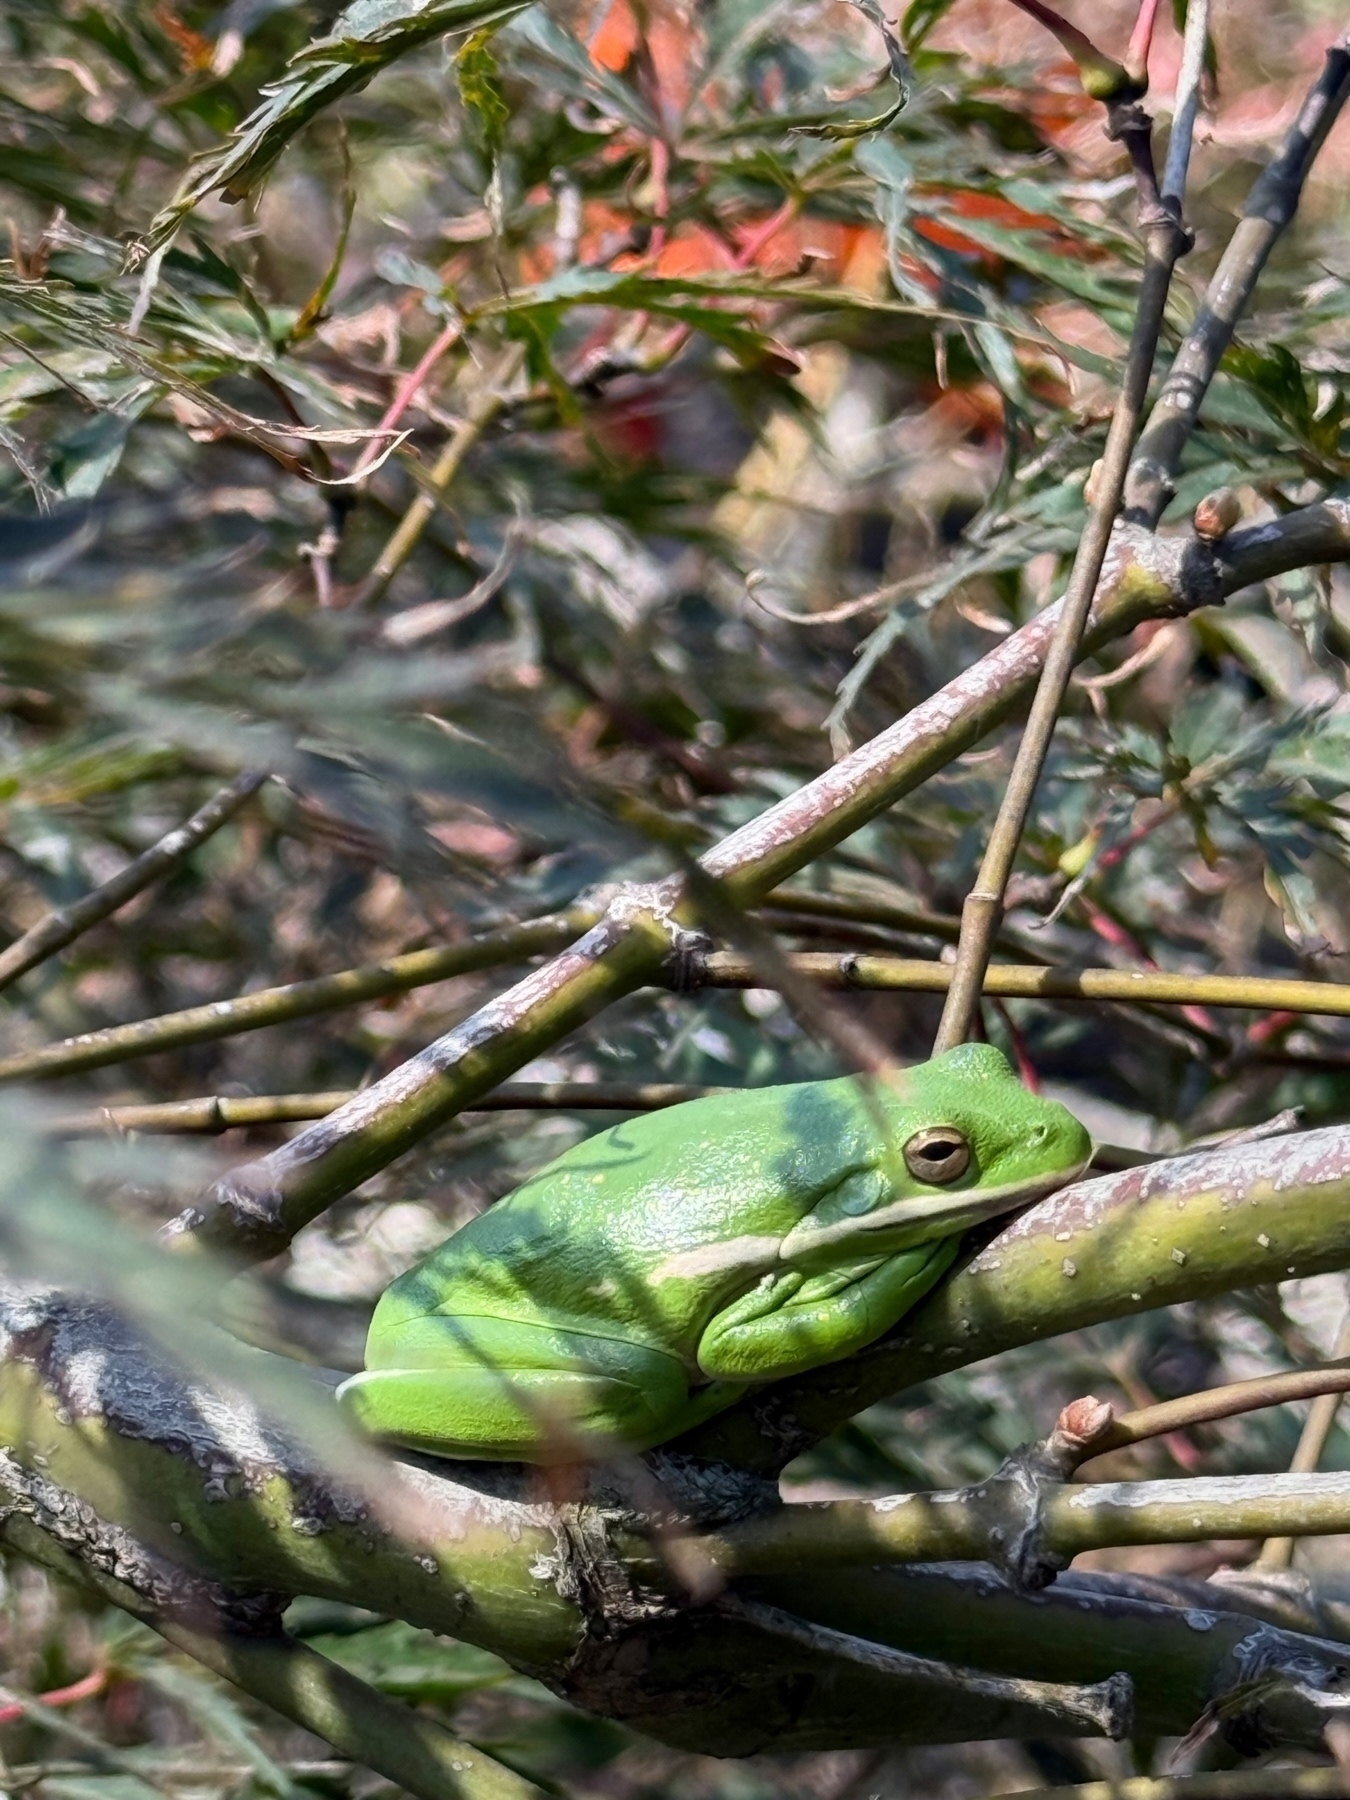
[653,1220]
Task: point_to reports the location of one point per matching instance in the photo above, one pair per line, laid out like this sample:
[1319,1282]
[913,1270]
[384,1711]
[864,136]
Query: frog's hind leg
[541,1414]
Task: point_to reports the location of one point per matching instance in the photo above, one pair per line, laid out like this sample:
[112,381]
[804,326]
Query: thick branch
[1300,540]
[260,1207]
[1270,208]
[143,1471]
[166,1461]
[979,1523]
[1180,1641]
[412,1750]
[1148,1237]
[1103,1708]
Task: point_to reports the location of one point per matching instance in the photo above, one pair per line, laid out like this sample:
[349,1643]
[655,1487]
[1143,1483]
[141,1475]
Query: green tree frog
[640,1282]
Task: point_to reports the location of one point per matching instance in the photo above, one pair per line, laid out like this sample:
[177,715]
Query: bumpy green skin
[638,1283]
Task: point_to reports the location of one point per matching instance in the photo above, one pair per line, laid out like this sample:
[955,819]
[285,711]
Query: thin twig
[1161,641]
[225,1112]
[418,622]
[982,914]
[1011,981]
[1328,1380]
[1141,42]
[864,910]
[1270,207]
[756,582]
[100,1753]
[484,407]
[88,1687]
[297,999]
[408,389]
[1187,102]
[62,927]
[1278,1552]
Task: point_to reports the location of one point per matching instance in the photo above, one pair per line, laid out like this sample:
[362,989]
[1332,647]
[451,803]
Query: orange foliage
[615,37]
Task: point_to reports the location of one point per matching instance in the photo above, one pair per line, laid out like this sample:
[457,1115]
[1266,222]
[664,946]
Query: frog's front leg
[792,1321]
[502,1391]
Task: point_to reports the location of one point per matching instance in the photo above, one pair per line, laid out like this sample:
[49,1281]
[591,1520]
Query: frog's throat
[923,1218]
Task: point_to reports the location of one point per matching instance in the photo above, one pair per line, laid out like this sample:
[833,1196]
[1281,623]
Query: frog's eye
[938,1155]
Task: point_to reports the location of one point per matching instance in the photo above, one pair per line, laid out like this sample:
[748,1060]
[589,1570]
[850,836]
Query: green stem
[297,999]
[224,1112]
[970,1524]
[1010,981]
[1328,1381]
[982,913]
[258,1209]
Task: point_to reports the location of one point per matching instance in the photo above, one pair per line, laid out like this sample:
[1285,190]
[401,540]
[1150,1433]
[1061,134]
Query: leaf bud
[1216,514]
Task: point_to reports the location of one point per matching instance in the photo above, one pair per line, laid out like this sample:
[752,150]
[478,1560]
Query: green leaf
[366,38]
[900,73]
[212,1707]
[573,74]
[920,18]
[83,460]
[479,89]
[415,1665]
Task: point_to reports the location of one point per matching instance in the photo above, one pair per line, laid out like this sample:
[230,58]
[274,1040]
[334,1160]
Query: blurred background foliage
[759,425]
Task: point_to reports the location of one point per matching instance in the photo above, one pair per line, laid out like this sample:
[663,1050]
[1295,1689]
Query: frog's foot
[535,1415]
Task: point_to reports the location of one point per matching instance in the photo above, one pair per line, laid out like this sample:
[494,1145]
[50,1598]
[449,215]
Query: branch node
[1217,514]
[1126,116]
[1199,577]
[686,965]
[588,1572]
[1283,1693]
[1082,1424]
[1015,1493]
[1013,1499]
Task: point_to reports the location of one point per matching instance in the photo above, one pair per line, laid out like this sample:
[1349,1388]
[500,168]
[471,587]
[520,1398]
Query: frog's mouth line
[923,1218]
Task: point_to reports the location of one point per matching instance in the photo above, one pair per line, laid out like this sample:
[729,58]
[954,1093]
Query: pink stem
[660,167]
[86,1688]
[407,391]
[1119,938]
[1141,41]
